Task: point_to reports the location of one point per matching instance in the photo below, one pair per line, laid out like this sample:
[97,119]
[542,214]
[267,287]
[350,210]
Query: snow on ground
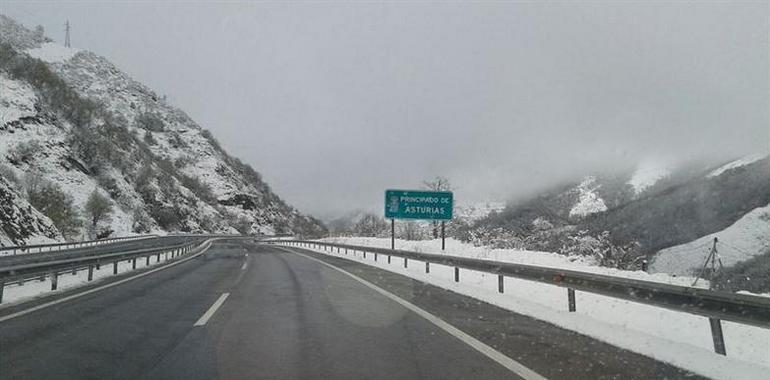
[736,164]
[681,339]
[647,174]
[589,202]
[73,182]
[17,99]
[544,259]
[52,52]
[747,237]
[15,293]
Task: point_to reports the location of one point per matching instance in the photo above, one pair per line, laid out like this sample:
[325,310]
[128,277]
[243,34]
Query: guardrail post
[388,259]
[571,299]
[2,286]
[90,272]
[427,267]
[716,335]
[375,256]
[133,263]
[147,263]
[114,267]
[500,283]
[346,251]
[74,271]
[406,262]
[457,274]
[54,280]
[157,259]
[98,265]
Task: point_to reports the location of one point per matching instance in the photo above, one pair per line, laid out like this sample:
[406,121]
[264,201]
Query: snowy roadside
[15,293]
[681,339]
[544,259]
[6,251]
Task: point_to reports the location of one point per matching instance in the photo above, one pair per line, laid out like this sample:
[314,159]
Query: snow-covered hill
[77,121]
[650,208]
[22,224]
[744,239]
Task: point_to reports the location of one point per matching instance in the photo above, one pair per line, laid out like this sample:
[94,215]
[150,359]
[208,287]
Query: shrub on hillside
[24,151]
[197,187]
[49,199]
[10,176]
[148,139]
[167,217]
[150,122]
[98,209]
[141,221]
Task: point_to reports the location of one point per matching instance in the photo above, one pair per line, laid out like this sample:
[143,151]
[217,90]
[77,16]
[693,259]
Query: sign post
[419,205]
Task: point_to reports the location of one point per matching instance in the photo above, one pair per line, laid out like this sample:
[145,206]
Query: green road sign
[414,204]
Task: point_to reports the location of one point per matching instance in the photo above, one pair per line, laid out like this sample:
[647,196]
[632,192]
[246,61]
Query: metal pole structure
[717,336]
[443,224]
[571,299]
[393,233]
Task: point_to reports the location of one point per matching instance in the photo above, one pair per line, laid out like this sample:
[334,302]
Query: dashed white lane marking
[245,264]
[213,309]
[476,344]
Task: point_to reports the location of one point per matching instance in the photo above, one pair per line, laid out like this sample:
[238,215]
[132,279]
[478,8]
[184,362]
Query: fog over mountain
[335,102]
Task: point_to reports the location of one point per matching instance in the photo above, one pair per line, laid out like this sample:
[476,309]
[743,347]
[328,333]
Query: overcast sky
[335,102]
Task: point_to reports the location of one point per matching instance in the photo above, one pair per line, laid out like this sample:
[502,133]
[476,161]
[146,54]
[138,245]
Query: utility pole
[712,258]
[67,34]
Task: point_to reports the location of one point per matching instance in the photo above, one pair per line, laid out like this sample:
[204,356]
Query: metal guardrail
[53,268]
[715,305]
[68,245]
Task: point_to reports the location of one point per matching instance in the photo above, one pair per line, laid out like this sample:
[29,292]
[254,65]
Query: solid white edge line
[99,288]
[497,356]
[213,309]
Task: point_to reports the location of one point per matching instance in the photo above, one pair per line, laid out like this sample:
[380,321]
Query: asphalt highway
[248,311]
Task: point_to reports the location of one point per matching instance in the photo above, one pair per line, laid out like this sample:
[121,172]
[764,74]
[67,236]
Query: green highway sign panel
[415,204]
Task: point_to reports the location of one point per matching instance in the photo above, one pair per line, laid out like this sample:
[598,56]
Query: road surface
[247,311]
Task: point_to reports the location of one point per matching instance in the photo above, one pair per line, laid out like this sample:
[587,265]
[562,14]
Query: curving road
[247,311]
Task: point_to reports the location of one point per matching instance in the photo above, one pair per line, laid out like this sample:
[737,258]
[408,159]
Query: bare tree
[98,208]
[370,225]
[437,184]
[410,230]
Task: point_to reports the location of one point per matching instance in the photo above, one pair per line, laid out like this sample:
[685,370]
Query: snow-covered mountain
[652,207]
[743,240]
[71,118]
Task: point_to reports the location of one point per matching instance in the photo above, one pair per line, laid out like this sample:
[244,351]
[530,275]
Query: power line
[737,249]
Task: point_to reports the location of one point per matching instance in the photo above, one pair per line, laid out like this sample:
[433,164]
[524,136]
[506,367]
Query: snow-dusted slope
[743,161]
[52,52]
[162,171]
[746,238]
[647,174]
[20,223]
[589,201]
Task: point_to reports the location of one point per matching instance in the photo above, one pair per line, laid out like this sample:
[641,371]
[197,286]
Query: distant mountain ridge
[85,125]
[673,206]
